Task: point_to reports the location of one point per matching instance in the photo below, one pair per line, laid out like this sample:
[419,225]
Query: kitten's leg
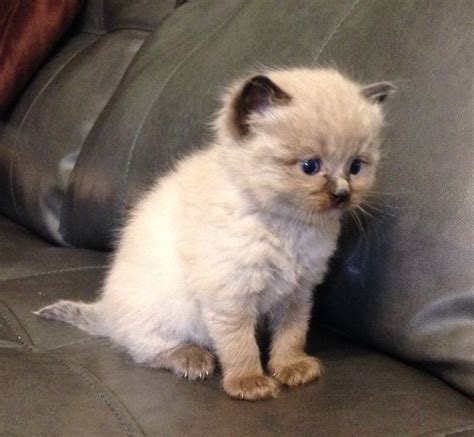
[188,360]
[289,363]
[232,329]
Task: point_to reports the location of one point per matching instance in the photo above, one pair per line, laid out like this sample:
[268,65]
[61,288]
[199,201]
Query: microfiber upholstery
[130,92]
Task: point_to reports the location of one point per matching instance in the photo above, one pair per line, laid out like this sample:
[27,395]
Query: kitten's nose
[340,197]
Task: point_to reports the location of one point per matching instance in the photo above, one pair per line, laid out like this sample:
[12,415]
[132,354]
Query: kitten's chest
[299,258]
[309,251]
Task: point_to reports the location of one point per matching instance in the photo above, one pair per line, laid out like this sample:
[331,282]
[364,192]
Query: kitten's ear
[257,96]
[378,92]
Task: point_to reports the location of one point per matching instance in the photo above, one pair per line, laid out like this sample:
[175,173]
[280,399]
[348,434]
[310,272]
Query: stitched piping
[86,375]
[89,378]
[123,197]
[125,27]
[335,30]
[21,338]
[27,113]
[459,431]
[54,272]
[451,431]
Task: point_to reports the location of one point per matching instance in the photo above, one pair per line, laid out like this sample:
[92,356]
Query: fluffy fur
[238,232]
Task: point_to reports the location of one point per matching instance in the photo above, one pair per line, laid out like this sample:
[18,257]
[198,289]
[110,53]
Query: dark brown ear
[257,95]
[378,92]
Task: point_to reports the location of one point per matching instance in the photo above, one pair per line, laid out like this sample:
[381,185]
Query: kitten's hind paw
[189,360]
[251,388]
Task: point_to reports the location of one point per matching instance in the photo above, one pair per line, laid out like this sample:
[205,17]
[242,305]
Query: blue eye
[356,166]
[310,166]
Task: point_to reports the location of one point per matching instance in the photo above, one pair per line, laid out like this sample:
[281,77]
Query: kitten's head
[305,141]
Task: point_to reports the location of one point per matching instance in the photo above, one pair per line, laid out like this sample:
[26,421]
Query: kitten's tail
[82,315]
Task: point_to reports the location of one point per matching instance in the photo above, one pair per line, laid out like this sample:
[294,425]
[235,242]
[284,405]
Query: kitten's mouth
[328,202]
[339,208]
[340,205]
[334,209]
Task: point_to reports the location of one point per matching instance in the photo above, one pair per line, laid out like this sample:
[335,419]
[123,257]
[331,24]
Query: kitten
[242,231]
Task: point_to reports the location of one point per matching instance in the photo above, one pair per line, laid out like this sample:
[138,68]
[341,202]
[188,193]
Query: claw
[200,376]
[185,374]
[207,373]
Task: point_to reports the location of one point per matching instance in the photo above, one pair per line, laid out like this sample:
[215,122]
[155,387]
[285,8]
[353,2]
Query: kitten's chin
[324,216]
[339,209]
[332,213]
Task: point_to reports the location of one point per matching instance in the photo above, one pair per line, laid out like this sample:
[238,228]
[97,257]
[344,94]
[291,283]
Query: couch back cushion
[101,16]
[42,138]
[131,93]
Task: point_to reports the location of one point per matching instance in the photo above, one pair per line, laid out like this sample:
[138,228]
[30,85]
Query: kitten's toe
[251,388]
[191,361]
[298,372]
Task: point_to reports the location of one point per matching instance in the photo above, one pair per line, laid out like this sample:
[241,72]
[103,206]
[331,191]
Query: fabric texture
[28,31]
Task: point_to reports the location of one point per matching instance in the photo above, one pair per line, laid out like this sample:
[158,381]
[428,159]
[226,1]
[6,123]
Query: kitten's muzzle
[340,198]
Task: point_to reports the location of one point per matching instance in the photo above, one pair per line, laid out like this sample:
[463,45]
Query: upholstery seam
[10,344]
[29,347]
[123,197]
[451,431]
[54,272]
[95,123]
[118,29]
[461,430]
[88,377]
[335,30]
[27,113]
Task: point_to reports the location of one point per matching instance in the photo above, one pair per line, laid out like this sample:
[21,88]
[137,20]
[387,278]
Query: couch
[129,91]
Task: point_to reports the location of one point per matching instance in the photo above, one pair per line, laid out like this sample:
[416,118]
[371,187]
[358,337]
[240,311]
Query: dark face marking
[257,95]
[378,92]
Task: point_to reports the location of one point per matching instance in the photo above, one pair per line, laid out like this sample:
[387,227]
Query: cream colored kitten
[241,231]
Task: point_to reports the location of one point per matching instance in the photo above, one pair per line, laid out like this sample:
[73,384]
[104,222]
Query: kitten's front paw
[251,388]
[299,372]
